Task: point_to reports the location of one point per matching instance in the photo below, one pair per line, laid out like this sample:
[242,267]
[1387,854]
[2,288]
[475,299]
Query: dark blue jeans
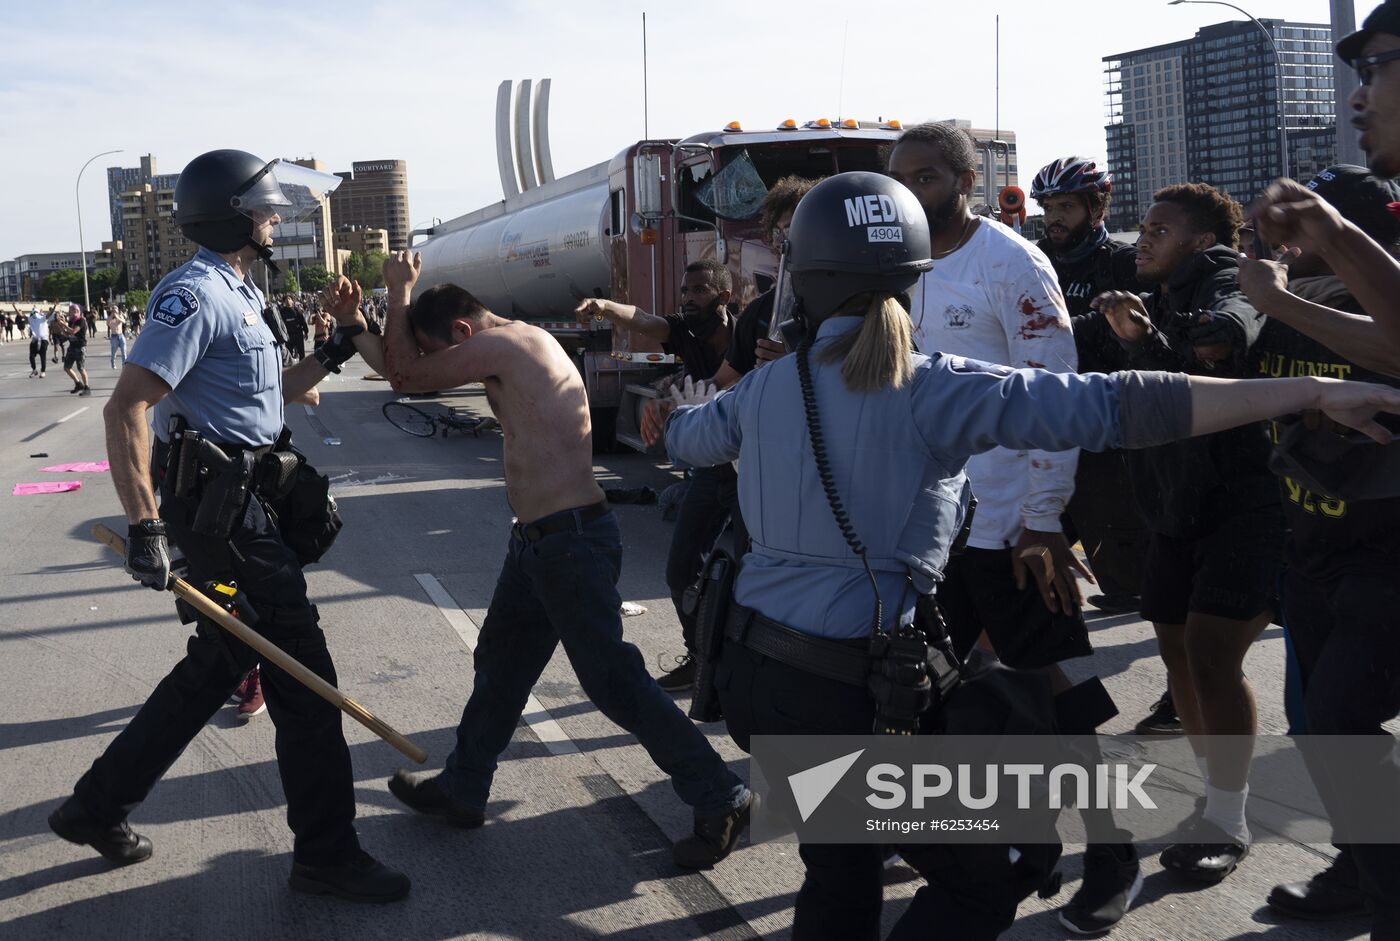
[563,588]
[1344,633]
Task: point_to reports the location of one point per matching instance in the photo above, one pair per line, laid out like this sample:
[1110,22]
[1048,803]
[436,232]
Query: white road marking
[536,716]
[72,415]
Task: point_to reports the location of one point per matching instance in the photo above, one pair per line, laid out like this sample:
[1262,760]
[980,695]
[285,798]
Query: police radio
[903,667]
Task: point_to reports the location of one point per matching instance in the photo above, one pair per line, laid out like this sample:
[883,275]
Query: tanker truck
[625,229]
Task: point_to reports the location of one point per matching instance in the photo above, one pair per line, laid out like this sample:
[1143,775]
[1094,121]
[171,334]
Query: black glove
[338,350]
[148,554]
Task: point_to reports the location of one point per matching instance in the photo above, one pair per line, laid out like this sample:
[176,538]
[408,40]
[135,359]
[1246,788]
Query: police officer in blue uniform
[851,490]
[206,364]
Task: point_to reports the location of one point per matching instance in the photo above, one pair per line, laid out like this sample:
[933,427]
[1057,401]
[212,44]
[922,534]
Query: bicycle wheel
[410,419]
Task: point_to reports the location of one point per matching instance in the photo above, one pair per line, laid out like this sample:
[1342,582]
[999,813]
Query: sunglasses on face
[1366,65]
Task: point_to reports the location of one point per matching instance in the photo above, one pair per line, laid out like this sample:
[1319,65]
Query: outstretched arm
[407,368]
[625,316]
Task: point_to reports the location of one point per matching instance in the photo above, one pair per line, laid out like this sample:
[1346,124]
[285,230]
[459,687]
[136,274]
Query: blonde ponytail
[877,356]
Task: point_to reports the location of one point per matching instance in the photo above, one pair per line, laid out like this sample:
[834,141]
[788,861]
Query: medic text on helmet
[870,211]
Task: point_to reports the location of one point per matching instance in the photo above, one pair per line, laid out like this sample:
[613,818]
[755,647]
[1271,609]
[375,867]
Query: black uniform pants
[1104,514]
[972,890]
[312,756]
[38,350]
[1345,636]
[705,508]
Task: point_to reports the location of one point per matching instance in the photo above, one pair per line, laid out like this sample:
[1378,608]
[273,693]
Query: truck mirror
[646,170]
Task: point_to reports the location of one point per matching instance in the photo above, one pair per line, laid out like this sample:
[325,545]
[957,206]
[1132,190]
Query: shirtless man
[559,580]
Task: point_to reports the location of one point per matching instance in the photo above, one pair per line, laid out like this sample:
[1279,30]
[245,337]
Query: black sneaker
[116,843]
[86,391]
[1116,604]
[361,878]
[714,838]
[681,678]
[1162,720]
[423,792]
[1332,893]
[1208,856]
[1112,880]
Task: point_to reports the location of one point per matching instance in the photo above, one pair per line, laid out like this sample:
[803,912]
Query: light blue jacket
[897,458]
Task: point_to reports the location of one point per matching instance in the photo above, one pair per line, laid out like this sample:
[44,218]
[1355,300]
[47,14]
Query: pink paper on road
[48,486]
[80,467]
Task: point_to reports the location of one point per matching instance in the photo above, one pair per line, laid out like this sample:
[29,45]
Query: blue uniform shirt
[897,458]
[204,335]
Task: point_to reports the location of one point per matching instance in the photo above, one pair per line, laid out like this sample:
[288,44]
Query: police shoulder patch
[963,364]
[174,307]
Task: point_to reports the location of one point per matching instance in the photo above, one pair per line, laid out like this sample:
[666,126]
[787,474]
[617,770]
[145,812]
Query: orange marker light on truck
[733,126]
[822,122]
[788,125]
[647,237]
[851,124]
[893,124]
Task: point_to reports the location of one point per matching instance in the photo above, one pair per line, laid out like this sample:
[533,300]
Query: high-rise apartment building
[374,196]
[124,179]
[1207,109]
[154,245]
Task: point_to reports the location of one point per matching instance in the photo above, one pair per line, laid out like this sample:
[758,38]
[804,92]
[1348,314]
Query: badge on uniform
[174,307]
[250,318]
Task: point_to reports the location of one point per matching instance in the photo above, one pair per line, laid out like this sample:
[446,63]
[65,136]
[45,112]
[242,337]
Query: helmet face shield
[284,193]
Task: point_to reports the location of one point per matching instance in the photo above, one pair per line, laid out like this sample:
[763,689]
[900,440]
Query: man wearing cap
[1339,592]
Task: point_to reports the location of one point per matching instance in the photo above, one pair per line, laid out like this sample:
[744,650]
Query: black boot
[1333,893]
[713,839]
[361,878]
[1112,880]
[424,793]
[116,843]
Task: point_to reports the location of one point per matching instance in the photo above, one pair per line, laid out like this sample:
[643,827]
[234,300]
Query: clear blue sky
[354,80]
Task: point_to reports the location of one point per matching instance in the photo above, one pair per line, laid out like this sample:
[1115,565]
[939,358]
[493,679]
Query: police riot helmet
[222,195]
[855,233]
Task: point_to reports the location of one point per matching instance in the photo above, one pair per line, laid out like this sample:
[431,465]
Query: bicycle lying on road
[425,421]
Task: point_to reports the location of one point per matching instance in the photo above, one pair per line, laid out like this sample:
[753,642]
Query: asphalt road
[580,822]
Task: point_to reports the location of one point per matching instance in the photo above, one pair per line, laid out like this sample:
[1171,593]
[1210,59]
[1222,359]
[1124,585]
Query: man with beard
[700,335]
[1074,194]
[992,296]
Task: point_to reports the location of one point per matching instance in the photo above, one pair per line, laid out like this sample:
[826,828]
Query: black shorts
[979,594]
[73,356]
[1231,572]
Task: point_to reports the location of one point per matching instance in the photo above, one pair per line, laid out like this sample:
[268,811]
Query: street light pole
[82,252]
[1278,64]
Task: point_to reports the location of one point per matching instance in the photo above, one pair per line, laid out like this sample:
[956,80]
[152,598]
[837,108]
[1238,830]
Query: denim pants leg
[703,513]
[516,642]
[563,587]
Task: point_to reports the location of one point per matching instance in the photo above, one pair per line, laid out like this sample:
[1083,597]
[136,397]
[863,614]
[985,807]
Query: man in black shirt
[1339,591]
[699,334]
[74,362]
[1075,193]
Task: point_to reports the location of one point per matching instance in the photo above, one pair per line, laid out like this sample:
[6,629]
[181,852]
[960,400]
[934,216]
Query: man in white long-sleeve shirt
[994,296]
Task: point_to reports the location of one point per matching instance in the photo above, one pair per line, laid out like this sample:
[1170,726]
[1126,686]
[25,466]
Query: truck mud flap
[629,419]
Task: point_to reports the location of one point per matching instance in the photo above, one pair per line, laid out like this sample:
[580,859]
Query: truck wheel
[604,430]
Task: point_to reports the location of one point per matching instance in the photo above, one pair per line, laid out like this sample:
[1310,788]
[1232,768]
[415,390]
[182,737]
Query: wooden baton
[271,653]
